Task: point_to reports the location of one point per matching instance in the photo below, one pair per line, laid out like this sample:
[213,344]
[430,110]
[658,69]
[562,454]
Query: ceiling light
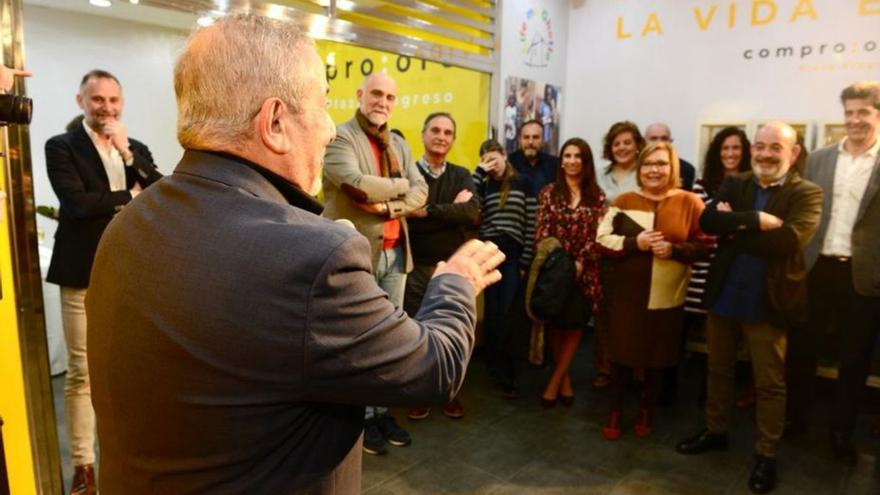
[100,3]
[134,2]
[275,11]
[205,21]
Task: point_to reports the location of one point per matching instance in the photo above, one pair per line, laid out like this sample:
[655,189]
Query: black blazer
[87,204]
[798,203]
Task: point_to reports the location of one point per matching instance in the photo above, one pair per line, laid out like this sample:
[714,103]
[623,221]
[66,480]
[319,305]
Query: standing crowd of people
[227,295]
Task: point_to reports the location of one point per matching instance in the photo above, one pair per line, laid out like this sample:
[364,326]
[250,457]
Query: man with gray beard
[764,220]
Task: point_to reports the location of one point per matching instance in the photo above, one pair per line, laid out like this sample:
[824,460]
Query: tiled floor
[506,447]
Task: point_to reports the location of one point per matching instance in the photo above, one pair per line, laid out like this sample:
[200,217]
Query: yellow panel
[423,87]
[442,8]
[399,29]
[13,409]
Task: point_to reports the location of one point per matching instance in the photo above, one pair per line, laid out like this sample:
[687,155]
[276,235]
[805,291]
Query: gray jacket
[234,336]
[866,231]
[350,160]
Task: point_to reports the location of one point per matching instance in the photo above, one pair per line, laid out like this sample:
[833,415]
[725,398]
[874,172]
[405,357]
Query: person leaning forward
[756,286]
[236,334]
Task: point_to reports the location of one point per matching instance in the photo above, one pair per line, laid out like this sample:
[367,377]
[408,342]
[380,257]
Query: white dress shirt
[851,178]
[112,160]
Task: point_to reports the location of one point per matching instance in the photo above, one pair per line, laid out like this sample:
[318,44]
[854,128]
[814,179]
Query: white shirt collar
[430,170]
[872,151]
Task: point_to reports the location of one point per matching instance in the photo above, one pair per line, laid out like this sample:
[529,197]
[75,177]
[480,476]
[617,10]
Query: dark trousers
[855,319]
[498,299]
[416,285]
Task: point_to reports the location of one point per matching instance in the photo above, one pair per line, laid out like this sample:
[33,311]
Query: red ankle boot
[611,430]
[643,427]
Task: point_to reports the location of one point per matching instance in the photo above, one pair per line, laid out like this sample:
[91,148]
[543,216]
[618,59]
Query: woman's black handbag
[556,297]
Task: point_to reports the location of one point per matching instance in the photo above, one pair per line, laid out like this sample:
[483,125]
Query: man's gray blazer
[350,160]
[820,169]
[234,336]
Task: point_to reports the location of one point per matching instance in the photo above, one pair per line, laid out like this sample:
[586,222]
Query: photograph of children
[526,100]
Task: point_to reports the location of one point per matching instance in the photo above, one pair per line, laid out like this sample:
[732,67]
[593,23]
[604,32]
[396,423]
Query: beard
[530,152]
[771,173]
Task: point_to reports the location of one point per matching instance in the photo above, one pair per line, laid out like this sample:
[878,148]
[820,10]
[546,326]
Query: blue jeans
[391,277]
[499,297]
[391,273]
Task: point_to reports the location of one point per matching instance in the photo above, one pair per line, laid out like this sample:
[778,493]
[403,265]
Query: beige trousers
[77,394]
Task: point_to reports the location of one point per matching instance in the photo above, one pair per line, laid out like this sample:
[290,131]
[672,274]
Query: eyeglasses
[655,165]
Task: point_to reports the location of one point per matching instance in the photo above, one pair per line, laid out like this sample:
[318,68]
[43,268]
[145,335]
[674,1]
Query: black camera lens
[15,109]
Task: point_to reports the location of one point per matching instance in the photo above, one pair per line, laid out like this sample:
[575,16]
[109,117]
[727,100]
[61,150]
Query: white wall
[687,75]
[61,46]
[514,62]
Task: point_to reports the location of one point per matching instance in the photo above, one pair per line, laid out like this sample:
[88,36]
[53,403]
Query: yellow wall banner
[423,87]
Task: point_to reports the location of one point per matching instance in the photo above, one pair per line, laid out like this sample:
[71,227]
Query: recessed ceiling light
[100,3]
[205,21]
[134,2]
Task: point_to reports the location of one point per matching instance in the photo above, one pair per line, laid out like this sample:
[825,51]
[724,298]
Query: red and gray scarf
[390,167]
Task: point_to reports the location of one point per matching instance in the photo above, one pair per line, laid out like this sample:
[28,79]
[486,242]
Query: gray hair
[228,69]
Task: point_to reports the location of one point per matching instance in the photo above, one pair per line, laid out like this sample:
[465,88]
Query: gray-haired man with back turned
[236,334]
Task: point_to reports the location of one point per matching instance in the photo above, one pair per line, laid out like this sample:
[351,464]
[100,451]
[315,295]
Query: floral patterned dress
[576,230]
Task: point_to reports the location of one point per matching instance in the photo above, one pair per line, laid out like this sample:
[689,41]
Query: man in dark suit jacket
[236,334]
[844,265]
[95,170]
[756,286]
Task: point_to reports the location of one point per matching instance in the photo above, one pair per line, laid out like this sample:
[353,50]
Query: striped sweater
[694,303]
[516,219]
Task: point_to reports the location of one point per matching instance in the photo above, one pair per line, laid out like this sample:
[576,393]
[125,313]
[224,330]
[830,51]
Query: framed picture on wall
[524,100]
[830,133]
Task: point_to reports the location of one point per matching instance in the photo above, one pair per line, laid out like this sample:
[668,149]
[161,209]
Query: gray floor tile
[511,447]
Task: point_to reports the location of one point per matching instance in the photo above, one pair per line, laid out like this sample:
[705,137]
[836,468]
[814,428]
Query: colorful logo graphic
[536,37]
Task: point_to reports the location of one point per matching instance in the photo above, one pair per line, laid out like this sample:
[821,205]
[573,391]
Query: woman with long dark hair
[728,153]
[569,210]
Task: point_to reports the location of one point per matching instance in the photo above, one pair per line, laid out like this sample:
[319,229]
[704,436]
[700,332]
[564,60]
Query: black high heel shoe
[549,403]
[566,400]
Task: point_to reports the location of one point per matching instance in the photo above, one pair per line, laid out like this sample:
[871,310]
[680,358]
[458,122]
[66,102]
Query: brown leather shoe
[84,481]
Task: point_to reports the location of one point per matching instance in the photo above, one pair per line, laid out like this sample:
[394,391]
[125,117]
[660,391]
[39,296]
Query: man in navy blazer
[236,334]
[95,170]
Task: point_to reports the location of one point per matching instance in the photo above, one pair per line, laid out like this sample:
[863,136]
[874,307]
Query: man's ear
[79,100]
[795,153]
[272,126]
